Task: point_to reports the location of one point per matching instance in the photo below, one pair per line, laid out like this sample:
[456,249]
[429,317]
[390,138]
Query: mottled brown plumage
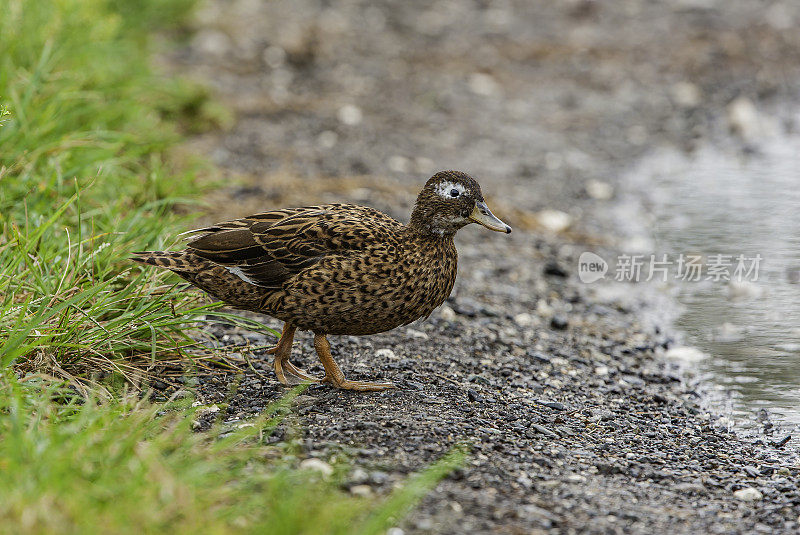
[335,268]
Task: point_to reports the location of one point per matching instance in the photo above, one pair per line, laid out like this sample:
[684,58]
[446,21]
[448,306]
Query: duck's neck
[429,231]
[426,225]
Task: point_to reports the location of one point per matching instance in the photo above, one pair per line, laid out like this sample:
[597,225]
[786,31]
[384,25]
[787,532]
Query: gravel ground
[575,424]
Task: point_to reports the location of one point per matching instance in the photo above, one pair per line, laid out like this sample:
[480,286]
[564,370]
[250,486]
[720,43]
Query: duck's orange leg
[282,351]
[334,375]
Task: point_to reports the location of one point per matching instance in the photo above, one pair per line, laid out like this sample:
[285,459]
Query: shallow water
[722,201]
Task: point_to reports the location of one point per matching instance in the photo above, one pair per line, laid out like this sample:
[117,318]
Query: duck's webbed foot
[334,375]
[282,351]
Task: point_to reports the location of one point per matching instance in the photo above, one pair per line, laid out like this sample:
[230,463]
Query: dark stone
[555,405]
[554,268]
[559,322]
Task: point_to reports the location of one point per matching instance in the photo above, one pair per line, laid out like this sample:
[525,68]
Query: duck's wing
[268,249]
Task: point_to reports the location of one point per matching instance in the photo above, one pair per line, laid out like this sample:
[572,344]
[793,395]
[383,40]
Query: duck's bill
[483,216]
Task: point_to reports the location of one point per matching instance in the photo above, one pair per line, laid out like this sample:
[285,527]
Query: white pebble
[327,139]
[317,465]
[202,411]
[543,309]
[524,319]
[685,94]
[554,220]
[417,334]
[599,190]
[385,353]
[724,422]
[483,84]
[211,42]
[447,313]
[601,370]
[746,121]
[748,494]
[361,490]
[350,115]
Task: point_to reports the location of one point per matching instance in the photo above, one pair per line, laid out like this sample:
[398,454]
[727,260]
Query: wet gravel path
[575,425]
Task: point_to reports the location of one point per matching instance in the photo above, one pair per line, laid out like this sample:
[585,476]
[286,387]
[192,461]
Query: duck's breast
[374,290]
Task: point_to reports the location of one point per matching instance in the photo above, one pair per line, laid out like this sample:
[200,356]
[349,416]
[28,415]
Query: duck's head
[449,201]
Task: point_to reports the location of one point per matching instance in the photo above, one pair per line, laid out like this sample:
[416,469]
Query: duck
[334,269]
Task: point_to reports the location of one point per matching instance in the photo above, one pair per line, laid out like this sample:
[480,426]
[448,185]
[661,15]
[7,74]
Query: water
[721,201]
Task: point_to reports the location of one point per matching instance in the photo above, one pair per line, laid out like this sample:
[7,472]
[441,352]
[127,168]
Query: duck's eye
[454,192]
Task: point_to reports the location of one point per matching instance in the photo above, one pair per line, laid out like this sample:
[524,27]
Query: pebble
[317,465]
[417,334]
[524,319]
[379,478]
[358,476]
[350,115]
[748,494]
[545,431]
[745,120]
[543,308]
[538,356]
[685,94]
[203,411]
[554,220]
[552,267]
[385,353]
[483,84]
[447,313]
[751,471]
[555,405]
[327,139]
[559,322]
[364,491]
[601,191]
[211,42]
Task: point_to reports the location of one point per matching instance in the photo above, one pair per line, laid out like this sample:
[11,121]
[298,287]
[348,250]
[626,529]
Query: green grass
[86,130]
[85,178]
[130,467]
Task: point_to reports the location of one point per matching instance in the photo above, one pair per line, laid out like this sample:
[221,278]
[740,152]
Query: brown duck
[335,268]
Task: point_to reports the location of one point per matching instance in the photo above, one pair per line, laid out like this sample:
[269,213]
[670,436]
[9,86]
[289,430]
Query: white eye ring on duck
[445,190]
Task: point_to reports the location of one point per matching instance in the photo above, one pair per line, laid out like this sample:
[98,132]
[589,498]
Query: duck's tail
[208,276]
[177,261]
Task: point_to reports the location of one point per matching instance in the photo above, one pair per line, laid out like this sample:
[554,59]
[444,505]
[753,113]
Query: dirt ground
[575,425]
